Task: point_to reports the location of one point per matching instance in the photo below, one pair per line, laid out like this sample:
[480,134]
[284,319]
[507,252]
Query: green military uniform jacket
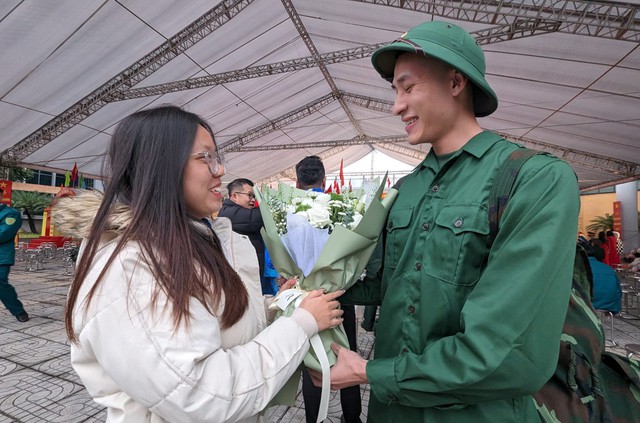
[10,222]
[466,334]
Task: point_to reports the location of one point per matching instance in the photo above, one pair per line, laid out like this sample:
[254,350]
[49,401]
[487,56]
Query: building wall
[595,205]
[46,189]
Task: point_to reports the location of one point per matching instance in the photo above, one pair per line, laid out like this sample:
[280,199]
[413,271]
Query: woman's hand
[324,308]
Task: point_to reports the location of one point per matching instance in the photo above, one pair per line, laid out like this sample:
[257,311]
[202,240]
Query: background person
[246,219]
[10,223]
[165,315]
[607,292]
[465,334]
[614,256]
[604,244]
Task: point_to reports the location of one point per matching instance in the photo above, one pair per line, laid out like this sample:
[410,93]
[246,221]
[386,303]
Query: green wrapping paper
[340,264]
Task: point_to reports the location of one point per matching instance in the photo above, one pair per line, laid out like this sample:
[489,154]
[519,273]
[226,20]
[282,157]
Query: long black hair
[146,161]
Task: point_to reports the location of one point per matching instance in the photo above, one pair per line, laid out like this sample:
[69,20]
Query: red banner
[7,188]
[617,216]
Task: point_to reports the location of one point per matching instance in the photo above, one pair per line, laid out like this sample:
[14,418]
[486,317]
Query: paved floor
[38,385]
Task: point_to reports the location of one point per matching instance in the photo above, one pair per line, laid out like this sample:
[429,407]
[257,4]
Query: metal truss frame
[519,29]
[285,66]
[509,20]
[290,173]
[236,143]
[576,157]
[606,19]
[222,13]
[388,143]
[319,144]
[579,158]
[304,34]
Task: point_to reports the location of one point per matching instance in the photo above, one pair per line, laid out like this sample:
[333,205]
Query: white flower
[320,210]
[323,199]
[319,216]
[360,206]
[357,217]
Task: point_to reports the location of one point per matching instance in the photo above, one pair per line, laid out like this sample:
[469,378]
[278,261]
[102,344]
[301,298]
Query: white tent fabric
[567,74]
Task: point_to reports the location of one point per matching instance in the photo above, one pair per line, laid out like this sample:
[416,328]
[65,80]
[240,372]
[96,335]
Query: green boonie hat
[450,44]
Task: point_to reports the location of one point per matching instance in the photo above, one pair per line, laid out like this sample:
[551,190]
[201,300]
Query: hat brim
[485,100]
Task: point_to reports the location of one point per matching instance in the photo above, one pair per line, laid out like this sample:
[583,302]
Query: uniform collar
[476,146]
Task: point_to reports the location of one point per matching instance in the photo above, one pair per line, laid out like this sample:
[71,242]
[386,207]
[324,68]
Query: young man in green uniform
[10,222]
[465,333]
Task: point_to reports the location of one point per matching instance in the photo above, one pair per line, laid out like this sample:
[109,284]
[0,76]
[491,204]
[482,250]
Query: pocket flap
[464,218]
[399,219]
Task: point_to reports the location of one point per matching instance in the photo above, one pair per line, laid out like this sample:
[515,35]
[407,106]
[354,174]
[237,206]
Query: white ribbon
[317,346]
[284,298]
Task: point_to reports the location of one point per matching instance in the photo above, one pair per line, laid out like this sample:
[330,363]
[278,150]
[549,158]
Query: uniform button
[458,223]
[434,188]
[425,226]
[390,225]
[412,309]
[405,350]
[418,266]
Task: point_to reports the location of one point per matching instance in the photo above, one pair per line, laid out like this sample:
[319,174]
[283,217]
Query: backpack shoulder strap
[399,182]
[502,186]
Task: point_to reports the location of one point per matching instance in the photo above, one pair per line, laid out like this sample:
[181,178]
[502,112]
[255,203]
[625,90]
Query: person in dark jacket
[10,222]
[245,217]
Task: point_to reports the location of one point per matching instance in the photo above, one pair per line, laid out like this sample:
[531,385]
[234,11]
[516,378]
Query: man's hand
[350,369]
[284,283]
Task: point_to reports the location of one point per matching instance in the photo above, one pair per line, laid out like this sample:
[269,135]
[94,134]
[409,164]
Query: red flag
[7,187]
[74,175]
[341,173]
[388,182]
[329,190]
[336,188]
[350,187]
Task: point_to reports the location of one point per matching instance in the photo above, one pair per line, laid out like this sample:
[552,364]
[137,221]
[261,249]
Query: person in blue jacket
[10,222]
[607,293]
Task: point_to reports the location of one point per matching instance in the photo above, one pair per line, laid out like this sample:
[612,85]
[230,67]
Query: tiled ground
[38,385]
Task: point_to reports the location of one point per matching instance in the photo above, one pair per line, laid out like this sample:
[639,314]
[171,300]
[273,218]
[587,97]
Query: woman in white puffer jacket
[165,313]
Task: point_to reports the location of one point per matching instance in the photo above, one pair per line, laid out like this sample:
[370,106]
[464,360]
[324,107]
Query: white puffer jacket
[132,361]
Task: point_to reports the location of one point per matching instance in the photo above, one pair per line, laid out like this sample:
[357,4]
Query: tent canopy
[282,79]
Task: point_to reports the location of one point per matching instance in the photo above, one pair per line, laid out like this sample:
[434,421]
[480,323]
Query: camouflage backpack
[588,384]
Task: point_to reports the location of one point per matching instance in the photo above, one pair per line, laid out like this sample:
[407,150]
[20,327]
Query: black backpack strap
[502,186]
[399,182]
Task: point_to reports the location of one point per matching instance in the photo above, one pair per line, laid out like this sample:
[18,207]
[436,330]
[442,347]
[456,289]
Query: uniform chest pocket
[460,237]
[397,234]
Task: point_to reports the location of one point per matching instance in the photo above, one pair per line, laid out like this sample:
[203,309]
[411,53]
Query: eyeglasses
[249,194]
[215,165]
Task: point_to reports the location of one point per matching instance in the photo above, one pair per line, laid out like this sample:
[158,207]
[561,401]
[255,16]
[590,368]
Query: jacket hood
[73,215]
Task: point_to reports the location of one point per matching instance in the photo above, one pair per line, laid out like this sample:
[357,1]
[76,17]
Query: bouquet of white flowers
[325,240]
[305,220]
